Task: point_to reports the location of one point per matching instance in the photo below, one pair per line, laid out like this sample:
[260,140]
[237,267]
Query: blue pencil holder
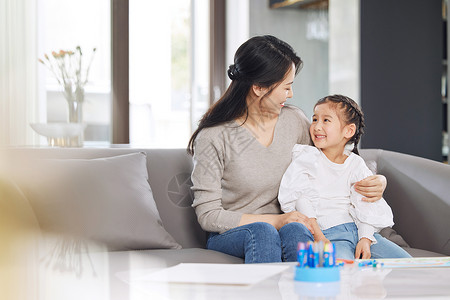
[321,274]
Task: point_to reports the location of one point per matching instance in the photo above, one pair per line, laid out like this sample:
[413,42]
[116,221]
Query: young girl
[319,183]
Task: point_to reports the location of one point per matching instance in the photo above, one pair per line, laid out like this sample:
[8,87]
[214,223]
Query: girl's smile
[328,132]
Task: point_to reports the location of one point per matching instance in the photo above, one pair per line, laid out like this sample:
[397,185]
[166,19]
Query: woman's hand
[372,187]
[277,220]
[291,217]
[363,249]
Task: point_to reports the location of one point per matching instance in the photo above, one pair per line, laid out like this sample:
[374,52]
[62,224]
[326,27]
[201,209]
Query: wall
[290,25]
[401,69]
[344,48]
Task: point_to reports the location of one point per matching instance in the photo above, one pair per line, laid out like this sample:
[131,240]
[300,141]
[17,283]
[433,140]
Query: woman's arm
[372,187]
[207,173]
[277,221]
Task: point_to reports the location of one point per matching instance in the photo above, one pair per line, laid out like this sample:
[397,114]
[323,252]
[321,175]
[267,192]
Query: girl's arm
[372,187]
[318,234]
[369,216]
[277,221]
[296,188]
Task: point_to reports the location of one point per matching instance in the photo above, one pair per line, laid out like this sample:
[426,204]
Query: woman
[241,149]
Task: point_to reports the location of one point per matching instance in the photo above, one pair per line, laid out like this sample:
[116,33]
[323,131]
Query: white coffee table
[116,276]
[356,283]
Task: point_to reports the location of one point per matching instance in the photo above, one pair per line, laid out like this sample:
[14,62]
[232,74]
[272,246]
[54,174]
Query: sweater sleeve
[296,188]
[206,178]
[370,217]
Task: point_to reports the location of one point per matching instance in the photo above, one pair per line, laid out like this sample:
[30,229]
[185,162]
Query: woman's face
[274,101]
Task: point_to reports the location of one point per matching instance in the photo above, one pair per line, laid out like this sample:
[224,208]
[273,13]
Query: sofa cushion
[414,252]
[108,200]
[394,237]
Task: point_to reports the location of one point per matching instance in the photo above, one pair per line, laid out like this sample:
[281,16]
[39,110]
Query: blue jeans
[261,242]
[345,238]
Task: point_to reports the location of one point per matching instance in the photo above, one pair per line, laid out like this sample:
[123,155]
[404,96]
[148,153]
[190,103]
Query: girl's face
[274,101]
[327,130]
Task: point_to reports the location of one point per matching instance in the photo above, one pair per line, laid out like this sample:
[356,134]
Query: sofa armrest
[418,192]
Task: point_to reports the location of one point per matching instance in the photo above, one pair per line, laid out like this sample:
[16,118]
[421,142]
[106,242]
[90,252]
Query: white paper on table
[224,274]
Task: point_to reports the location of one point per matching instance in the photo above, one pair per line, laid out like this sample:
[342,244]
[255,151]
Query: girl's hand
[293,216]
[318,234]
[363,249]
[323,239]
[372,187]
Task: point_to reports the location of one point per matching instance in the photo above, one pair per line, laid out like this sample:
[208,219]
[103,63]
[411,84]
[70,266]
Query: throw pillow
[107,200]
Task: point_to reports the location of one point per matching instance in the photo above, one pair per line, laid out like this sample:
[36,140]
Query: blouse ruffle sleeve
[370,217]
[296,189]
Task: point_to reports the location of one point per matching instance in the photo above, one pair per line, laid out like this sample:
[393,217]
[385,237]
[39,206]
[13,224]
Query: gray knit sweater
[234,174]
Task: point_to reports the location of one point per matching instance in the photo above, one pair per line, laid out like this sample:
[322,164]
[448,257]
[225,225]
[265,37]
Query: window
[169,64]
[65,24]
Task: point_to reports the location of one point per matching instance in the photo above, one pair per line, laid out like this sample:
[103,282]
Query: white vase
[75,112]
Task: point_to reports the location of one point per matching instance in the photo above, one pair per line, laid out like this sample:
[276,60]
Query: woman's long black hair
[263,61]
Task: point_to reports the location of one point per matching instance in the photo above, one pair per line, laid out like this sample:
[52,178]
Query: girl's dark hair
[352,114]
[263,61]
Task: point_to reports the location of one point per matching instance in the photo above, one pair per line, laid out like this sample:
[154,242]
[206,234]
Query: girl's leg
[344,237]
[384,248]
[291,234]
[256,243]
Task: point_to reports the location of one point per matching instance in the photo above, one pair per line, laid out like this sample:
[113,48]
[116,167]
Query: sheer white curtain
[18,72]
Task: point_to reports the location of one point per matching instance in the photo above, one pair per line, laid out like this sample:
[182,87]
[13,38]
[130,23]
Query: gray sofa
[418,191]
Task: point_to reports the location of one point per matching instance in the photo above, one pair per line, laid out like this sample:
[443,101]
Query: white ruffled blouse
[321,189]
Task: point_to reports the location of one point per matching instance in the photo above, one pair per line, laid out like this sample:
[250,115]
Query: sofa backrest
[418,191]
[169,173]
[170,180]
